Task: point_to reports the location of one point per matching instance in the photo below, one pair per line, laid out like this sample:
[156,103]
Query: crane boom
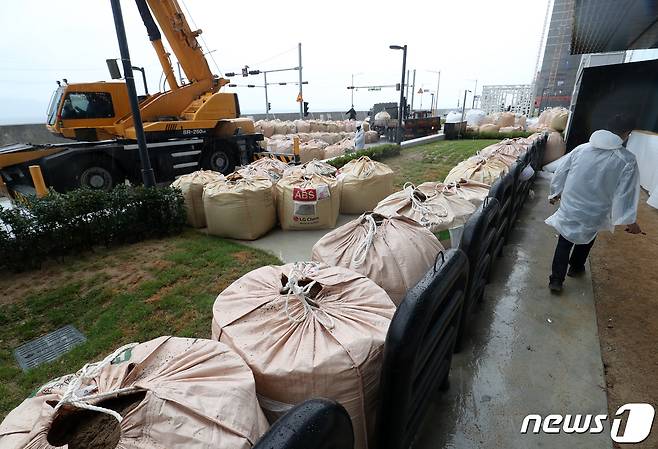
[179,35]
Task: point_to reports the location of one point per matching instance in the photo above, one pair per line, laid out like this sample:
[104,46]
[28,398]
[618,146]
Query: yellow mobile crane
[188,126]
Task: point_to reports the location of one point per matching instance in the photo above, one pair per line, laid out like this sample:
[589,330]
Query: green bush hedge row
[377,153]
[65,223]
[495,135]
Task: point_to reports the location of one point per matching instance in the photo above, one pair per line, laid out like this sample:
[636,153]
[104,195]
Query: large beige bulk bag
[314,167]
[313,149]
[192,186]
[302,126]
[366,126]
[510,129]
[480,169]
[372,136]
[395,252]
[339,149]
[510,149]
[308,330]
[559,120]
[280,127]
[489,128]
[472,191]
[429,205]
[555,148]
[258,126]
[265,168]
[546,117]
[308,202]
[520,121]
[281,144]
[174,393]
[504,119]
[268,128]
[332,127]
[239,208]
[365,183]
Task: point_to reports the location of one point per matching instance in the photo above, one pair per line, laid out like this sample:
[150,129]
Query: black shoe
[576,271]
[555,286]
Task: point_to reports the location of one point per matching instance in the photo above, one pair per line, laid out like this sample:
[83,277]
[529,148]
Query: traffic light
[397,87]
[269,107]
[245,70]
[306,109]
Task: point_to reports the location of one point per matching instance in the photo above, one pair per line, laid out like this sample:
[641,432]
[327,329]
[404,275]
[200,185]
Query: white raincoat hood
[605,140]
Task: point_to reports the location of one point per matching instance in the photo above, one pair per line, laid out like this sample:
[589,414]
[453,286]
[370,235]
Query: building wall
[559,68]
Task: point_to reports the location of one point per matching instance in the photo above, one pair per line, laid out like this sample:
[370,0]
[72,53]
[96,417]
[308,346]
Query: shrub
[377,153]
[68,223]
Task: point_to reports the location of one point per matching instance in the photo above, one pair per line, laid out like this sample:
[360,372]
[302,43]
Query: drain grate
[48,347]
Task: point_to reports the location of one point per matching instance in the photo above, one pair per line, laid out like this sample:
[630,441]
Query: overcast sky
[495,42]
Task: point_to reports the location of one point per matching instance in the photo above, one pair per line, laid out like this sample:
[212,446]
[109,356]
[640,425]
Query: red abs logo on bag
[304,194]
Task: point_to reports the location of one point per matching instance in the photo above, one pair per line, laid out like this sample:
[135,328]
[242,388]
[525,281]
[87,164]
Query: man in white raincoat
[598,187]
[359,137]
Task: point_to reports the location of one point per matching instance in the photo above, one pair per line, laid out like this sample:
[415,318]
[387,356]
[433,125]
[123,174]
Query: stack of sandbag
[454,117]
[265,168]
[338,149]
[308,330]
[308,202]
[302,126]
[267,127]
[489,128]
[475,117]
[395,252]
[314,167]
[312,149]
[508,151]
[503,119]
[164,393]
[552,119]
[281,144]
[365,183]
[520,120]
[429,204]
[192,186]
[480,169]
[372,136]
[555,147]
[239,207]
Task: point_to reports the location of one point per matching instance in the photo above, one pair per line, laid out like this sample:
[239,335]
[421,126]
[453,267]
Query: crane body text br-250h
[187,127]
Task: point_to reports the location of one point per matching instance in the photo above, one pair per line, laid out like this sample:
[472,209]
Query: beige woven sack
[365,183]
[507,151]
[308,202]
[313,149]
[308,330]
[302,126]
[504,119]
[371,136]
[477,168]
[429,205]
[174,393]
[239,208]
[192,186]
[472,191]
[266,167]
[314,167]
[394,252]
[489,128]
[555,148]
[339,148]
[559,121]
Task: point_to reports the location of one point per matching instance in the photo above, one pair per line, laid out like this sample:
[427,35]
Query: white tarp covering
[644,145]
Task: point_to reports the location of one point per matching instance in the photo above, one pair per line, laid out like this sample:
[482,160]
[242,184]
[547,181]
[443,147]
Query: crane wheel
[219,158]
[98,174]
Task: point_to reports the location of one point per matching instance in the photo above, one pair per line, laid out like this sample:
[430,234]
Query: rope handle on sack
[425,211]
[89,371]
[436,259]
[361,251]
[301,292]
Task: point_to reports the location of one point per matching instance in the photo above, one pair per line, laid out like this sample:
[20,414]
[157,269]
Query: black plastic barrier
[478,243]
[503,191]
[418,349]
[314,424]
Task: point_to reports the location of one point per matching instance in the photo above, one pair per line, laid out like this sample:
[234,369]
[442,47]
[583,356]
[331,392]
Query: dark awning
[614,25]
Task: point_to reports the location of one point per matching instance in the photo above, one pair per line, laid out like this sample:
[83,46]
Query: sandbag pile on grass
[192,186]
[308,201]
[365,183]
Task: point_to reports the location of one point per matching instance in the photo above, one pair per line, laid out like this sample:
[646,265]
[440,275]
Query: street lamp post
[438,83]
[404,68]
[466,91]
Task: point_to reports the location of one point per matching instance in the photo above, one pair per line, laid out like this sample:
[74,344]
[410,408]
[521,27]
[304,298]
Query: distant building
[559,68]
[511,98]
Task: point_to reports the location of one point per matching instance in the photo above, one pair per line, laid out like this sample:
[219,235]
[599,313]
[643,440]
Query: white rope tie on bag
[89,371]
[424,210]
[361,251]
[299,271]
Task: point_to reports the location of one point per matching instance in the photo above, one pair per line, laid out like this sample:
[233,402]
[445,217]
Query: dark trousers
[564,256]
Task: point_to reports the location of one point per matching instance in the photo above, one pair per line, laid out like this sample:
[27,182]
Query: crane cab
[87,111]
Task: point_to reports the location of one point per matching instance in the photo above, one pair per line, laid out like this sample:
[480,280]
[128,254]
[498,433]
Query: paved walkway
[531,352]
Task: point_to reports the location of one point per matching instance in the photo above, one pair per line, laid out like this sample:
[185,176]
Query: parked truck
[190,126]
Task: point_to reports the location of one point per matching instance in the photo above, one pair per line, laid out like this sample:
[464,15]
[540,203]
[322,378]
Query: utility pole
[404,69]
[267,101]
[413,91]
[463,111]
[406,95]
[301,103]
[148,177]
[438,82]
[475,94]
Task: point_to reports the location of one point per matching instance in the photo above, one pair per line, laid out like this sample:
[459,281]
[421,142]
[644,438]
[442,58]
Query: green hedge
[67,223]
[495,135]
[377,152]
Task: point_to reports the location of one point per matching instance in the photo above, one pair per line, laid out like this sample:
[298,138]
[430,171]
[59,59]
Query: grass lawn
[117,296]
[433,161]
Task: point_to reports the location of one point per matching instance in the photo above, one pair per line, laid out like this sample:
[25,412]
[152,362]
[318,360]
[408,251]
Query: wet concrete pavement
[530,353]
